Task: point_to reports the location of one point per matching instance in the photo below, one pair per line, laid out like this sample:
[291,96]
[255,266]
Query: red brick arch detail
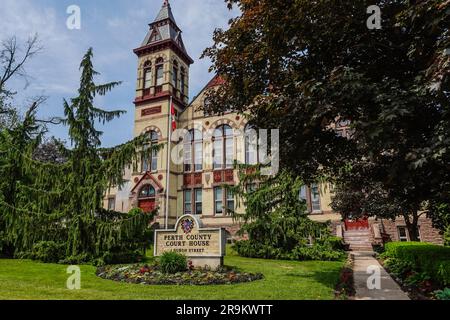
[196,127]
[220,122]
[153,128]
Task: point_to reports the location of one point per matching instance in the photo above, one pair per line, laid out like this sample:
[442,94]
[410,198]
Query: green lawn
[312,280]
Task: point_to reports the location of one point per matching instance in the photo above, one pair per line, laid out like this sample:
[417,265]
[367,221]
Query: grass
[284,280]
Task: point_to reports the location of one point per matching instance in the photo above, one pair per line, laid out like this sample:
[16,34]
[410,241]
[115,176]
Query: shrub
[77,259]
[443,294]
[317,252]
[444,272]
[48,251]
[399,267]
[172,262]
[420,257]
[417,279]
[121,257]
[135,212]
[250,249]
[335,243]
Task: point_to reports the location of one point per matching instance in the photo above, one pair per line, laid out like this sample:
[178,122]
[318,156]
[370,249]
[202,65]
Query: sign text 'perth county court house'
[203,246]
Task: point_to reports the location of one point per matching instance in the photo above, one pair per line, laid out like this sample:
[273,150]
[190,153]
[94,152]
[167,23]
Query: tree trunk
[412,224]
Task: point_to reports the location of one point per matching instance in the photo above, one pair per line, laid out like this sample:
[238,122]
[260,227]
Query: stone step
[356,233]
[363,236]
[359,244]
[361,248]
[357,241]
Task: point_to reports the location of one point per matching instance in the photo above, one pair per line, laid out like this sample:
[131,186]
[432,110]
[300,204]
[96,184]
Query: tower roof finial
[166,3]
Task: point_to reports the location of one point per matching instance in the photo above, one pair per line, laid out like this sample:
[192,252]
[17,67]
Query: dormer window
[155,36]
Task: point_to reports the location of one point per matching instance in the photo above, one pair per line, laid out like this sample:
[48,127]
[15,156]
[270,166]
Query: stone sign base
[205,262]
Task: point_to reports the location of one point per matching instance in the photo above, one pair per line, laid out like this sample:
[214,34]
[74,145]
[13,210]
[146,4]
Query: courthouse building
[209,147]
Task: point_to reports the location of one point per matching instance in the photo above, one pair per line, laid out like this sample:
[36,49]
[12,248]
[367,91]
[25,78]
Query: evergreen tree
[62,201]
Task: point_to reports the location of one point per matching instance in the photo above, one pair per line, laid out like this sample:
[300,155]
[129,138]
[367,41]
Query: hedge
[431,259]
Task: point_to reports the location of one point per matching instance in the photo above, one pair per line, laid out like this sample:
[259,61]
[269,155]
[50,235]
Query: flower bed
[152,275]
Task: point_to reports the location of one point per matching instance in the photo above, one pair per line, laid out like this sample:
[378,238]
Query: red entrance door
[147,205]
[357,224]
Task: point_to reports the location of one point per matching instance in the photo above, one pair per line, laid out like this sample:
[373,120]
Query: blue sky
[113,28]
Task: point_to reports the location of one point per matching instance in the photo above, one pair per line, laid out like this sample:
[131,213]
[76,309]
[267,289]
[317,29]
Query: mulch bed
[345,289]
[151,275]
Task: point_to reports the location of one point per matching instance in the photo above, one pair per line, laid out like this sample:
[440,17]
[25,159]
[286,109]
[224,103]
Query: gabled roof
[217,80]
[147,176]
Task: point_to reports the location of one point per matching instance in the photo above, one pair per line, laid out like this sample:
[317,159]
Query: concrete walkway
[366,267]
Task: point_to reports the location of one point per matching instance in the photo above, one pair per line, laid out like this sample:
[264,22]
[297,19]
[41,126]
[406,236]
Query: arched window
[223,147]
[175,74]
[159,71]
[147,191]
[251,145]
[193,151]
[147,75]
[183,80]
[150,161]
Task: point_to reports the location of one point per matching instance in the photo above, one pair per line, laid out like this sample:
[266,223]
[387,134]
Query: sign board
[203,246]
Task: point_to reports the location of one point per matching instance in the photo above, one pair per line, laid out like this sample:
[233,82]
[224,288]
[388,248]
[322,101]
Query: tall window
[182,80]
[175,74]
[315,198]
[223,196]
[251,145]
[223,147]
[159,70]
[112,203]
[218,200]
[150,161]
[193,151]
[147,75]
[193,202]
[230,200]
[187,202]
[198,201]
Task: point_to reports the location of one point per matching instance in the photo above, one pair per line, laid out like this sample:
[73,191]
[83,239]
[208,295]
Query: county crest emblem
[187,225]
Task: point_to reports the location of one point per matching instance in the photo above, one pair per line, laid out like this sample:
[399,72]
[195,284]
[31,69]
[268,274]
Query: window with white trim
[315,198]
[402,234]
[223,147]
[193,151]
[112,203]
